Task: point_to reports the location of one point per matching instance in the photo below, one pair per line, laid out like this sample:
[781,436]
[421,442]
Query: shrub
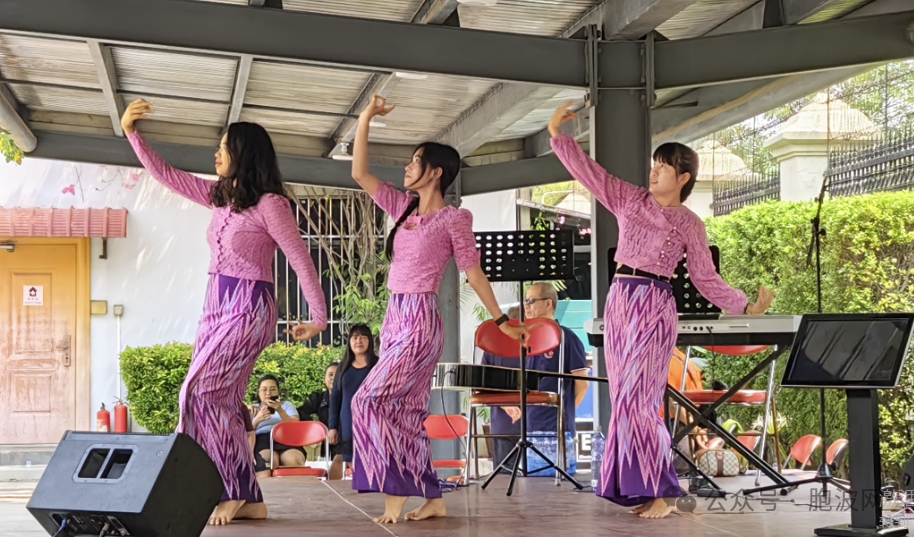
[867,266]
[153,376]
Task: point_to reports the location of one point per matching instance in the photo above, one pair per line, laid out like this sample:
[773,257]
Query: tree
[9,149]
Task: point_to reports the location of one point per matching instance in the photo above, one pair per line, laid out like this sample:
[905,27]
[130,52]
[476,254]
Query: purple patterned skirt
[391,448]
[239,320]
[640,334]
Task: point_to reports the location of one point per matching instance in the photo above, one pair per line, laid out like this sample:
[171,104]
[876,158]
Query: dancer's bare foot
[640,509]
[252,511]
[225,512]
[430,509]
[393,506]
[660,508]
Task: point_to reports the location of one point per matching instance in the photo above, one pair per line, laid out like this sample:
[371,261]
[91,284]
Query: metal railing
[733,193]
[882,166]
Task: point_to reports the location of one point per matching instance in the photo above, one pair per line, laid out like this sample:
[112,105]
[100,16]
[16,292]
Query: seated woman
[360,357]
[270,412]
[318,403]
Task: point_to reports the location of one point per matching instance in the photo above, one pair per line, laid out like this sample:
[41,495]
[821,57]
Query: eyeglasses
[532,301]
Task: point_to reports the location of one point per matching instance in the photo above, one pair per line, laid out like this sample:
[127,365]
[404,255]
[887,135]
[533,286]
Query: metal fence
[732,193]
[881,166]
[338,219]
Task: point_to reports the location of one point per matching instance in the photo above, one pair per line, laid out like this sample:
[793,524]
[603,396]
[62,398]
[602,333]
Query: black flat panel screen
[849,351]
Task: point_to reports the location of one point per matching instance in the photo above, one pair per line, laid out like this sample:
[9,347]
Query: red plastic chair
[299,434]
[835,455]
[448,428]
[545,335]
[802,451]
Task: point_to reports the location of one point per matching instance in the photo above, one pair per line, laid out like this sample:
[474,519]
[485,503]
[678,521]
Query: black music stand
[858,353]
[519,256]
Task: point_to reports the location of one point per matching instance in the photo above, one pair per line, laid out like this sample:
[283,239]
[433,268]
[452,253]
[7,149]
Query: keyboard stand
[704,418]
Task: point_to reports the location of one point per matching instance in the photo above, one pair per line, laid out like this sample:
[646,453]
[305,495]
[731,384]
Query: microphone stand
[823,473]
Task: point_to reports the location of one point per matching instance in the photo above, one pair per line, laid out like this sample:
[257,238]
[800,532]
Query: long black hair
[254,166]
[433,156]
[349,356]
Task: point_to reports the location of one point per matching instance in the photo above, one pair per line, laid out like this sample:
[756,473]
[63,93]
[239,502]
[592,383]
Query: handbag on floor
[718,462]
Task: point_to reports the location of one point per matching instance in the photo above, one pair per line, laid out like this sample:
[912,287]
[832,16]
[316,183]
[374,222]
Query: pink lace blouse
[652,238]
[424,244]
[242,245]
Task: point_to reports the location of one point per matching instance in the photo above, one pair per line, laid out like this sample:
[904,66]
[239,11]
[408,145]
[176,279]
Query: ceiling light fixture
[411,76]
[479,3]
[374,123]
[343,154]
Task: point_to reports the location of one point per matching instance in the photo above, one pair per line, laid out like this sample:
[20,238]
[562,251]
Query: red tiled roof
[31,222]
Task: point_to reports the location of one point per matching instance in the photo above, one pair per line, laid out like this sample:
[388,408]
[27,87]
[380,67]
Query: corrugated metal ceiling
[303,87]
[60,99]
[291,123]
[702,17]
[394,10]
[533,122]
[147,71]
[537,17]
[425,107]
[53,61]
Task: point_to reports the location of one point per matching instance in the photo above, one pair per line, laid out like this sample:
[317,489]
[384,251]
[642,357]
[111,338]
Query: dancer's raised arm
[613,193]
[190,186]
[361,171]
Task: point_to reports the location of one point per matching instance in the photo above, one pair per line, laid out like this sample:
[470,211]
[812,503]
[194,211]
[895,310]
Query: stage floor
[309,507]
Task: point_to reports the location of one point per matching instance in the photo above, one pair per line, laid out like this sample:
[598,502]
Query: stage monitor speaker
[134,485]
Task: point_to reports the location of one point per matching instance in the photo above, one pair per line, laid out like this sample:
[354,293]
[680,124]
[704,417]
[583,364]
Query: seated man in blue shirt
[541,301]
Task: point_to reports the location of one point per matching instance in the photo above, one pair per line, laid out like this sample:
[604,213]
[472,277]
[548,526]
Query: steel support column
[448,401]
[620,142]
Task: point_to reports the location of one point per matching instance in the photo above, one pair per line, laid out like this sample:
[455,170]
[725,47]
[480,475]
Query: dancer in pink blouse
[392,450]
[251,216]
[655,229]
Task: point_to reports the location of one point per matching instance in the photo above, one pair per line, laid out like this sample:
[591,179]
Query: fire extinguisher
[120,417]
[103,420]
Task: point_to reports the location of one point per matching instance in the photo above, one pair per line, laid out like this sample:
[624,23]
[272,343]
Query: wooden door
[38,329]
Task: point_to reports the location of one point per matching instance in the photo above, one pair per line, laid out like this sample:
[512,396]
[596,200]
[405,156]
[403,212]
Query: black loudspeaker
[134,485]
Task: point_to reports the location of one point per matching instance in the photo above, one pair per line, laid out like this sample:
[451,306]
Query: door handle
[64,347]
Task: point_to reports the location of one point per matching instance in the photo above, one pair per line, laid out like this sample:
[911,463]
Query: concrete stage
[308,507]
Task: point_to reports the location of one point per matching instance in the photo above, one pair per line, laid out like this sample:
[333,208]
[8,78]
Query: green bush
[867,266]
[153,376]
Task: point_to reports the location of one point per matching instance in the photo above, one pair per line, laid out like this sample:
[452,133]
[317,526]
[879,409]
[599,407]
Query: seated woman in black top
[318,403]
[360,357]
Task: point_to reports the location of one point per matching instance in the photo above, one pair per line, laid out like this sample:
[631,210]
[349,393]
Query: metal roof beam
[242,75]
[107,79]
[112,151]
[775,52]
[329,39]
[430,12]
[707,110]
[508,103]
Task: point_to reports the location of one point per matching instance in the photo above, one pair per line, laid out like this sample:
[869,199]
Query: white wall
[491,212]
[158,273]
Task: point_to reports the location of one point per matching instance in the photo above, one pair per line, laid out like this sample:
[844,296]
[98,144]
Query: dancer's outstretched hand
[138,109]
[560,117]
[517,332]
[377,106]
[303,331]
[765,298]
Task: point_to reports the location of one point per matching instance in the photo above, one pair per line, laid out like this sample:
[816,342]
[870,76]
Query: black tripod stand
[520,256]
[823,473]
